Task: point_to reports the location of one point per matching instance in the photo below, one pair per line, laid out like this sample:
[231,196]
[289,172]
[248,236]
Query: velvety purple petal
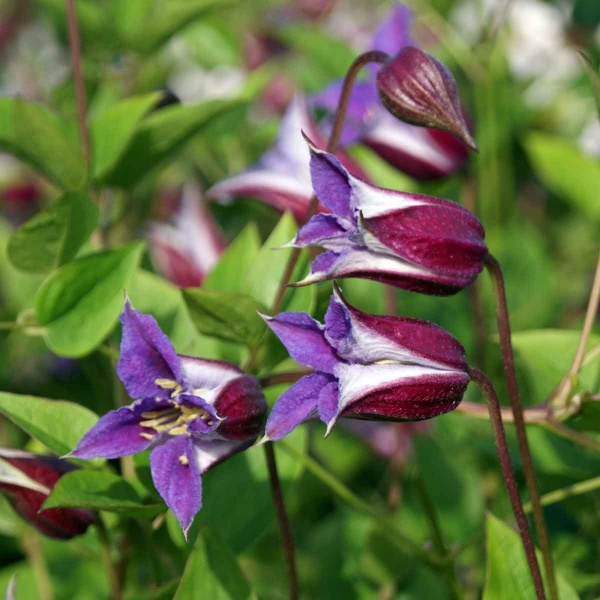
[203,373]
[242,406]
[323,230]
[397,391]
[393,32]
[328,402]
[146,355]
[200,425]
[304,339]
[177,479]
[330,182]
[439,235]
[297,404]
[360,337]
[118,433]
[208,453]
[364,264]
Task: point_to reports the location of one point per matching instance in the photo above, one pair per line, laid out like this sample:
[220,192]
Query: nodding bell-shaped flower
[412,241]
[419,89]
[27,480]
[192,413]
[281,177]
[366,367]
[187,250]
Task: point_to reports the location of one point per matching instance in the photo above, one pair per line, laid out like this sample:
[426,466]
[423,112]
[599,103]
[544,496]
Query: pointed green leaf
[55,235]
[212,572]
[111,132]
[507,573]
[80,303]
[55,423]
[99,490]
[226,315]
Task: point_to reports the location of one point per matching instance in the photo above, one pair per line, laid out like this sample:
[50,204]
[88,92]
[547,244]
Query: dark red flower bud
[418,89]
[27,479]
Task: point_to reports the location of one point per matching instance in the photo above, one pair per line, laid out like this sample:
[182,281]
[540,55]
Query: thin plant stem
[389,299]
[7,326]
[387,526]
[75,46]
[495,271]
[438,537]
[533,414]
[572,435]
[332,147]
[285,377]
[111,570]
[35,556]
[581,487]
[284,525]
[483,381]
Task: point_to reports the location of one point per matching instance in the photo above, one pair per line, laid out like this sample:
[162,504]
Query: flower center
[173,421]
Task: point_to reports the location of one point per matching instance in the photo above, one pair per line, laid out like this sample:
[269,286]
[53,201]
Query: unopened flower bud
[419,89]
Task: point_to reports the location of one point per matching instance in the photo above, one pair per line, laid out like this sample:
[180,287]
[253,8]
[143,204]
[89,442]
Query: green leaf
[164,132]
[226,315]
[55,235]
[546,355]
[161,25]
[55,423]
[566,171]
[111,131]
[79,303]
[99,490]
[507,574]
[225,275]
[212,572]
[31,132]
[264,275]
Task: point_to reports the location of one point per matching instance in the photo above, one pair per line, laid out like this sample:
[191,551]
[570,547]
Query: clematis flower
[192,413]
[187,250]
[281,177]
[419,152]
[412,241]
[366,367]
[27,480]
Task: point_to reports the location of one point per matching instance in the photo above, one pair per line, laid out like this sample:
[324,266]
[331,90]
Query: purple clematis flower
[421,153]
[191,412]
[186,251]
[281,177]
[366,367]
[416,242]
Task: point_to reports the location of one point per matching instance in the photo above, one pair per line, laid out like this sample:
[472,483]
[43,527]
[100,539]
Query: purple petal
[393,32]
[328,402]
[297,404]
[359,337]
[304,339]
[203,373]
[146,355]
[331,183]
[118,433]
[177,479]
[398,391]
[199,425]
[208,453]
[323,230]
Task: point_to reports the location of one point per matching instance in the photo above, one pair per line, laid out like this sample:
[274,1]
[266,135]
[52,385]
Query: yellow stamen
[182,430]
[147,436]
[183,459]
[178,389]
[166,384]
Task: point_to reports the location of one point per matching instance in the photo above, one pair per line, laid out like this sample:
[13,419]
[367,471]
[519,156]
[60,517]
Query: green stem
[111,570]
[572,435]
[582,487]
[387,527]
[438,538]
[35,556]
[7,326]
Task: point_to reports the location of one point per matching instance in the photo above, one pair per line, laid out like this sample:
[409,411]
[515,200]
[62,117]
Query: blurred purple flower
[27,480]
[281,177]
[367,367]
[187,250]
[191,412]
[412,241]
[421,153]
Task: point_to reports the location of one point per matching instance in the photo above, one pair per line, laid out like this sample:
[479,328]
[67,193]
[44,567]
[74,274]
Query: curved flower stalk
[366,367]
[419,152]
[27,480]
[192,413]
[416,242]
[281,177]
[187,250]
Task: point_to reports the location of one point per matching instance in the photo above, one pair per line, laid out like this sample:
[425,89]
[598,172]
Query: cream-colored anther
[183,459]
